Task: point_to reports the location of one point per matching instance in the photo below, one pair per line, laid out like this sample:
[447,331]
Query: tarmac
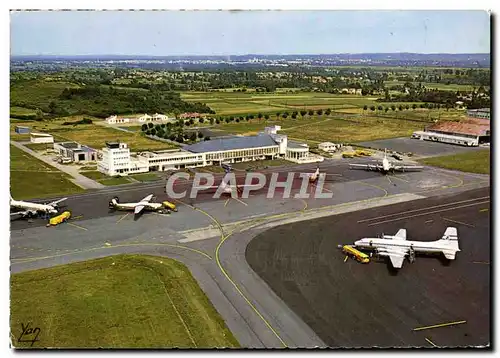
[349,304]
[210,236]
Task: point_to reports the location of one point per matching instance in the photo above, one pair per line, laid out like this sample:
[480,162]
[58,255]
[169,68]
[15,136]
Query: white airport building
[142,119]
[117,159]
[41,138]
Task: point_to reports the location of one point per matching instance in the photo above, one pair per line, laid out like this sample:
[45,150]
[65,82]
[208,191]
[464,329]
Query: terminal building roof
[224,144]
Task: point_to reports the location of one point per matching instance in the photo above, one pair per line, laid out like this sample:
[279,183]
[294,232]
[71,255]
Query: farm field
[419,114]
[37,93]
[123,301]
[241,103]
[477,161]
[47,182]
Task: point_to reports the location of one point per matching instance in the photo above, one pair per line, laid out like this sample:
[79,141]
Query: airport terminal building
[117,159]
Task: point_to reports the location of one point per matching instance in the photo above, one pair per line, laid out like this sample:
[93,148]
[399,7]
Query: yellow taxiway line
[78,226]
[432,343]
[123,217]
[439,325]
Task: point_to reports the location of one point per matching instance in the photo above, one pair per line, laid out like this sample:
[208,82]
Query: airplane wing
[147,199]
[365,166]
[404,168]
[19,213]
[396,255]
[396,260]
[401,234]
[57,202]
[138,209]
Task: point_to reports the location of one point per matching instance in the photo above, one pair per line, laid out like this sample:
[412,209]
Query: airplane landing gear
[411,257]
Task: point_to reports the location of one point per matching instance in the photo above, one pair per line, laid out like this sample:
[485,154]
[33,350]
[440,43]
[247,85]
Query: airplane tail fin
[450,236]
[113,202]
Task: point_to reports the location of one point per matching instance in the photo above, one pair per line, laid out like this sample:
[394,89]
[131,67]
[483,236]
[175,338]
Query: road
[210,237]
[77,178]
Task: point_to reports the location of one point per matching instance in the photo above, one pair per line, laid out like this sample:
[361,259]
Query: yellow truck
[356,254]
[59,219]
[348,155]
[363,152]
[170,206]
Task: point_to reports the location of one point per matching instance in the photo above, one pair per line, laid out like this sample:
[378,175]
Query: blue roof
[223,144]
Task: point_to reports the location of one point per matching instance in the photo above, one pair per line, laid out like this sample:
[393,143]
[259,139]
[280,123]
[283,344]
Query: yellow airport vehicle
[348,155]
[363,152]
[59,219]
[170,206]
[358,255]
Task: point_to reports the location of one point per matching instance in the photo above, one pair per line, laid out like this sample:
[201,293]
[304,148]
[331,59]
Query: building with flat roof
[75,152]
[22,130]
[41,138]
[479,113]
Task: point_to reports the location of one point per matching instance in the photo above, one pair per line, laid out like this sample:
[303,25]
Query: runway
[210,237]
[349,304]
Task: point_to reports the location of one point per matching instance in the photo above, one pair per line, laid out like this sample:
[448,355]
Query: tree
[192,137]
[400,107]
[311,112]
[380,108]
[386,109]
[422,105]
[259,116]
[150,125]
[328,111]
[207,138]
[188,124]
[278,115]
[201,120]
[407,107]
[227,120]
[241,118]
[372,108]
[319,112]
[285,115]
[144,127]
[212,121]
[266,116]
[393,107]
[191,121]
[251,116]
[179,139]
[153,131]
[414,106]
[294,116]
[157,127]
[217,121]
[200,135]
[365,107]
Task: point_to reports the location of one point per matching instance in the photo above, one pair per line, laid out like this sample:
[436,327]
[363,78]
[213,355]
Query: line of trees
[172,131]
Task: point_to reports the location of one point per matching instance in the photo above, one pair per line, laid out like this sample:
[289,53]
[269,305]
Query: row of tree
[172,131]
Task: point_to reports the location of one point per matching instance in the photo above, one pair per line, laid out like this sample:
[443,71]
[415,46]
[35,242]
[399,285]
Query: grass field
[32,178]
[37,93]
[145,177]
[93,135]
[330,128]
[124,301]
[105,179]
[14,111]
[477,161]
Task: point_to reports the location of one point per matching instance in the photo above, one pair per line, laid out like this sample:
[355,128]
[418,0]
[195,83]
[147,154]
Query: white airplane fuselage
[33,206]
[131,206]
[380,245]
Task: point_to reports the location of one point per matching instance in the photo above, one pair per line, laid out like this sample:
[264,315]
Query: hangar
[469,132]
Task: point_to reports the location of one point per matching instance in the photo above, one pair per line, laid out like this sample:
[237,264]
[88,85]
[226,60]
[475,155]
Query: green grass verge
[124,301]
[32,178]
[145,177]
[476,161]
[105,179]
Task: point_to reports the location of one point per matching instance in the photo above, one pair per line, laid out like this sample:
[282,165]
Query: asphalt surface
[421,148]
[348,304]
[210,237]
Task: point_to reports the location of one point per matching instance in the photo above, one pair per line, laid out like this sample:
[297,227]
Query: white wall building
[328,146]
[115,120]
[41,138]
[116,158]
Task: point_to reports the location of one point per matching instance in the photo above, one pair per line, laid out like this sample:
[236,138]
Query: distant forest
[102,101]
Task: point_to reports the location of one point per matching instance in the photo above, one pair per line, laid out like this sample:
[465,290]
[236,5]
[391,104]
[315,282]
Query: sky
[174,33]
